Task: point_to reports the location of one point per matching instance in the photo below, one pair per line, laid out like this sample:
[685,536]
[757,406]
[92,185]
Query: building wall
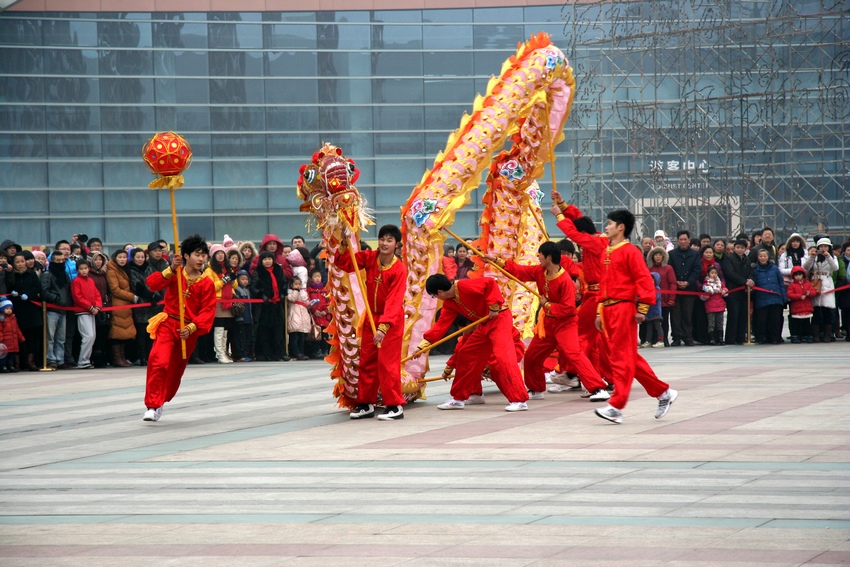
[257,92]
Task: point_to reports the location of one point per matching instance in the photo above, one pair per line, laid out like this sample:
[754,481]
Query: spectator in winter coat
[271,288]
[767,304]
[56,289]
[10,335]
[449,262]
[686,265]
[715,304]
[121,293]
[24,286]
[298,321]
[821,264]
[249,252]
[739,275]
[794,255]
[842,279]
[273,244]
[320,310]
[87,299]
[661,241]
[800,293]
[657,263]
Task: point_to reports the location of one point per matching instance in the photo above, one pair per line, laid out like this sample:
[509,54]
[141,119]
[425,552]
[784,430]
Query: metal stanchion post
[749,321]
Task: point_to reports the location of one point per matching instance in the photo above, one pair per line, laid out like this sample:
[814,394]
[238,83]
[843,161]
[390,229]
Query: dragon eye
[310,175]
[351,167]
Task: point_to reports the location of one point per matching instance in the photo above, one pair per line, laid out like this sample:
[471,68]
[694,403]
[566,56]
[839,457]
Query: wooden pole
[179,273]
[502,270]
[446,338]
[434,379]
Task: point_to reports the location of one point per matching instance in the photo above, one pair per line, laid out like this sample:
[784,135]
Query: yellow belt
[608,302]
[593,287]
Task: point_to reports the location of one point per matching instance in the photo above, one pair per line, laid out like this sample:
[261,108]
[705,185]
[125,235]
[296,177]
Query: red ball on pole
[167,154]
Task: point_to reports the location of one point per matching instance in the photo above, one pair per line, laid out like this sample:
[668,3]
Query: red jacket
[593,246]
[10,333]
[450,267]
[198,303]
[560,290]
[84,293]
[473,300]
[801,307]
[322,304]
[627,277]
[385,287]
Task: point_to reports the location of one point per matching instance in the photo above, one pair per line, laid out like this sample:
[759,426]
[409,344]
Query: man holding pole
[557,326]
[491,342]
[167,362]
[380,350]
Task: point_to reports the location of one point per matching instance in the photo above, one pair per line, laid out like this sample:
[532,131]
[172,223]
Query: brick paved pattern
[252,464]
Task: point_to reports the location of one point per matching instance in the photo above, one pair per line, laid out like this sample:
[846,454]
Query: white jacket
[823,272]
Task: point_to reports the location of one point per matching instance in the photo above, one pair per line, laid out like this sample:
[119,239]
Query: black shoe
[195,360]
[689,343]
[676,343]
[362,411]
[285,358]
[391,413]
[301,357]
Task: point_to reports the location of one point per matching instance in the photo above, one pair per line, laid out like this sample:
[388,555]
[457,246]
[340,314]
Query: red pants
[626,364]
[492,342]
[381,367]
[166,363]
[589,337]
[563,335]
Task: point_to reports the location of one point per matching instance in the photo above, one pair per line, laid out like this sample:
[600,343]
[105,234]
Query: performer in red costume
[380,352]
[559,329]
[581,230]
[626,278]
[166,363]
[490,342]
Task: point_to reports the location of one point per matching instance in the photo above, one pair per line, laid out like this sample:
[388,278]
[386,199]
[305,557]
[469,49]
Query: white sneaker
[548,376]
[152,414]
[585,393]
[516,406]
[600,395]
[561,378]
[645,344]
[558,388]
[536,395]
[659,344]
[665,401]
[611,414]
[476,400]
[451,403]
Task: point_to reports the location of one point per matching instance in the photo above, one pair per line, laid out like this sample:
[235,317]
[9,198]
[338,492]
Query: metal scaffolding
[718,116]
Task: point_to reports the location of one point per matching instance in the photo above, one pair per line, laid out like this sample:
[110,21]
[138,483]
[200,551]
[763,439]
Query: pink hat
[216,248]
[228,242]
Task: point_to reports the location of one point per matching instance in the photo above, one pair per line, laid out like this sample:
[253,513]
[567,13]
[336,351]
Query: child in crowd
[10,335]
[715,305]
[653,316]
[297,259]
[800,293]
[270,281]
[242,341]
[320,309]
[299,321]
[86,297]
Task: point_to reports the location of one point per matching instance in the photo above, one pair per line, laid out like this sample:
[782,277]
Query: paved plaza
[253,464]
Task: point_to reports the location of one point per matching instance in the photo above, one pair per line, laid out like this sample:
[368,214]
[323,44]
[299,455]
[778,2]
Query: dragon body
[526,104]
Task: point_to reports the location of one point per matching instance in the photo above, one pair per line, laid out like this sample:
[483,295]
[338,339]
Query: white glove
[14,294]
[135,299]
[24,297]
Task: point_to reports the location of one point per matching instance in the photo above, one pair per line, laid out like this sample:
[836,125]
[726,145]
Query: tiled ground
[252,464]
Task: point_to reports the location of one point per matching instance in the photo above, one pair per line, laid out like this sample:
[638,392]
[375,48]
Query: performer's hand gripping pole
[362,288]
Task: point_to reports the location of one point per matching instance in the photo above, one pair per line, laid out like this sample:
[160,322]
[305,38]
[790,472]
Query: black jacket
[737,270]
[686,265]
[56,286]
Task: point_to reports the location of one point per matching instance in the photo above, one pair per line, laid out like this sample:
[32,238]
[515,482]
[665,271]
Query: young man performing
[581,230]
[626,278]
[491,342]
[380,352]
[559,327]
[166,363]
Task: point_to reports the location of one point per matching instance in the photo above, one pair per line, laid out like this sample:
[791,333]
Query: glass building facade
[256,93]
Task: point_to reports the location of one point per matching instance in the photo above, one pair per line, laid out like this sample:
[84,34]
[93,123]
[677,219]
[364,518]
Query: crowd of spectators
[276,291]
